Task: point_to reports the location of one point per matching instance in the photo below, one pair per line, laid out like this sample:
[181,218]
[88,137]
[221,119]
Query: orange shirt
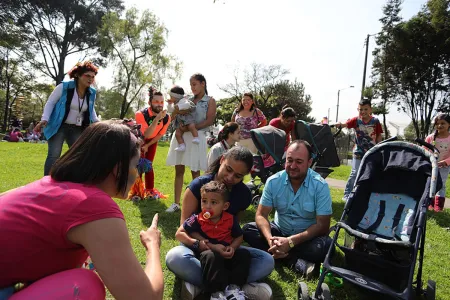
[161,128]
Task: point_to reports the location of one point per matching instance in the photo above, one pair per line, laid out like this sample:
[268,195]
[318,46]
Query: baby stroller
[271,141]
[384,222]
[322,140]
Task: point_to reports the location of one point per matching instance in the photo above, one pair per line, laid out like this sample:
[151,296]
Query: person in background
[16,136]
[146,118]
[195,154]
[249,117]
[441,140]
[182,122]
[286,122]
[367,134]
[68,111]
[227,138]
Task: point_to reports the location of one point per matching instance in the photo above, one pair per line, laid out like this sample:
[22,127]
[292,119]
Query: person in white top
[184,121]
[69,109]
[228,136]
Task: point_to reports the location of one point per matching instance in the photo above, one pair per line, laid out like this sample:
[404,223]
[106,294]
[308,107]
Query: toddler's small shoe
[196,141]
[181,148]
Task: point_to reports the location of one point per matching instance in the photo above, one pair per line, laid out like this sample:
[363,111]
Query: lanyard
[82,103]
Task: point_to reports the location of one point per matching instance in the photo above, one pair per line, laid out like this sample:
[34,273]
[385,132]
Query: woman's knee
[179,170]
[71,284]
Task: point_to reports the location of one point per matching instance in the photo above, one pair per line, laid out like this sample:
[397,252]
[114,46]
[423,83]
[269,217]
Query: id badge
[79,120]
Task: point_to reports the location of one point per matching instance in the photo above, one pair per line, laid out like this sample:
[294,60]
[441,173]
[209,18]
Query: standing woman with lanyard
[69,109]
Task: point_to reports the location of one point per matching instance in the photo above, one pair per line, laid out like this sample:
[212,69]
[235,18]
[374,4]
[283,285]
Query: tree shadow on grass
[442,218]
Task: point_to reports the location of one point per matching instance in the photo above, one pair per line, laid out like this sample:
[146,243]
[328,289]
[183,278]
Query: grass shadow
[442,218]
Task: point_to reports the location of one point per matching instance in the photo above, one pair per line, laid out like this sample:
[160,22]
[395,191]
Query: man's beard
[298,176]
[156,109]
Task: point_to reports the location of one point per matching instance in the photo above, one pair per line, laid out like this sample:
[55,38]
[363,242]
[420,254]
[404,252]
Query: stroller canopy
[269,140]
[322,141]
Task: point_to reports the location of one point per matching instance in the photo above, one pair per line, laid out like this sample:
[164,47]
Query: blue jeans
[67,132]
[444,175]
[351,179]
[182,262]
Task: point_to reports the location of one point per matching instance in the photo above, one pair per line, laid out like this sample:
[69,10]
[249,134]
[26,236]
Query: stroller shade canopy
[269,140]
[322,141]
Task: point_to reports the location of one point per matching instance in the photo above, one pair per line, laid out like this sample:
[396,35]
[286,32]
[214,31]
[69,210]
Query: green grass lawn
[23,163]
[342,173]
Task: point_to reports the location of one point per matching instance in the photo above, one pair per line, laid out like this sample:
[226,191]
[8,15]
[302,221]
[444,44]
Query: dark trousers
[313,250]
[150,175]
[67,132]
[218,272]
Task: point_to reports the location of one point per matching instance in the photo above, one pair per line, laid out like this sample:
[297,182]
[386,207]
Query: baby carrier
[384,222]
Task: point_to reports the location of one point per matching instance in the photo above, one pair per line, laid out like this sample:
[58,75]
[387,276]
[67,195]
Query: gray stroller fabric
[269,140]
[322,141]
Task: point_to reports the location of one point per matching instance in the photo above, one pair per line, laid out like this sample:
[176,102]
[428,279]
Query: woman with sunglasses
[50,226]
[69,109]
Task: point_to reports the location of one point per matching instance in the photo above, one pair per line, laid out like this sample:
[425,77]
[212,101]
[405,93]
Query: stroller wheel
[431,290]
[255,200]
[303,291]
[326,294]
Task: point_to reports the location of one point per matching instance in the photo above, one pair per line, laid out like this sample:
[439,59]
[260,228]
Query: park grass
[23,163]
[342,172]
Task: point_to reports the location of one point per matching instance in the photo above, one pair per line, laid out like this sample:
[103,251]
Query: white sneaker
[189,291]
[257,291]
[173,208]
[233,292]
[196,141]
[218,296]
[181,148]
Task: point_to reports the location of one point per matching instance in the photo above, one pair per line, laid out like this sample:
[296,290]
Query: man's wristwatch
[291,243]
[196,245]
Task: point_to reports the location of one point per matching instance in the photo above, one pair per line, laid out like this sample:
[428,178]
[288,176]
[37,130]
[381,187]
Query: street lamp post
[337,106]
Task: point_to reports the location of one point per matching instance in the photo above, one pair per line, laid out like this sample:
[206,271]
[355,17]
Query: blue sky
[320,42]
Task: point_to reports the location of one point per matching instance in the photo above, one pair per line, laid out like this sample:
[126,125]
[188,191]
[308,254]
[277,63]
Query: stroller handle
[428,145]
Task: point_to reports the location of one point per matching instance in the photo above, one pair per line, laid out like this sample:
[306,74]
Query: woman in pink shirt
[50,226]
[441,140]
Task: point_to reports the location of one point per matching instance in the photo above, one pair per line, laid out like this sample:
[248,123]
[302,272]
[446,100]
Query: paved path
[340,184]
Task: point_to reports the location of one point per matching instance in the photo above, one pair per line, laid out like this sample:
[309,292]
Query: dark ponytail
[201,78]
[287,112]
[238,153]
[228,128]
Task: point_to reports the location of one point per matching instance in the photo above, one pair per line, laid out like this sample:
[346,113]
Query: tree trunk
[386,132]
[8,83]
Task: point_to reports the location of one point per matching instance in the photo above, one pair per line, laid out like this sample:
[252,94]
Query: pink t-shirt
[14,136]
[34,221]
[443,145]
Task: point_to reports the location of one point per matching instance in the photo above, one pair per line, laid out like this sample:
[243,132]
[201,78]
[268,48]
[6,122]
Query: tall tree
[57,29]
[382,65]
[136,45]
[15,80]
[421,64]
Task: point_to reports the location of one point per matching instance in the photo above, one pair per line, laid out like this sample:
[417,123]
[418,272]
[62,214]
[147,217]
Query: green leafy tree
[136,45]
[57,29]
[383,82]
[419,64]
